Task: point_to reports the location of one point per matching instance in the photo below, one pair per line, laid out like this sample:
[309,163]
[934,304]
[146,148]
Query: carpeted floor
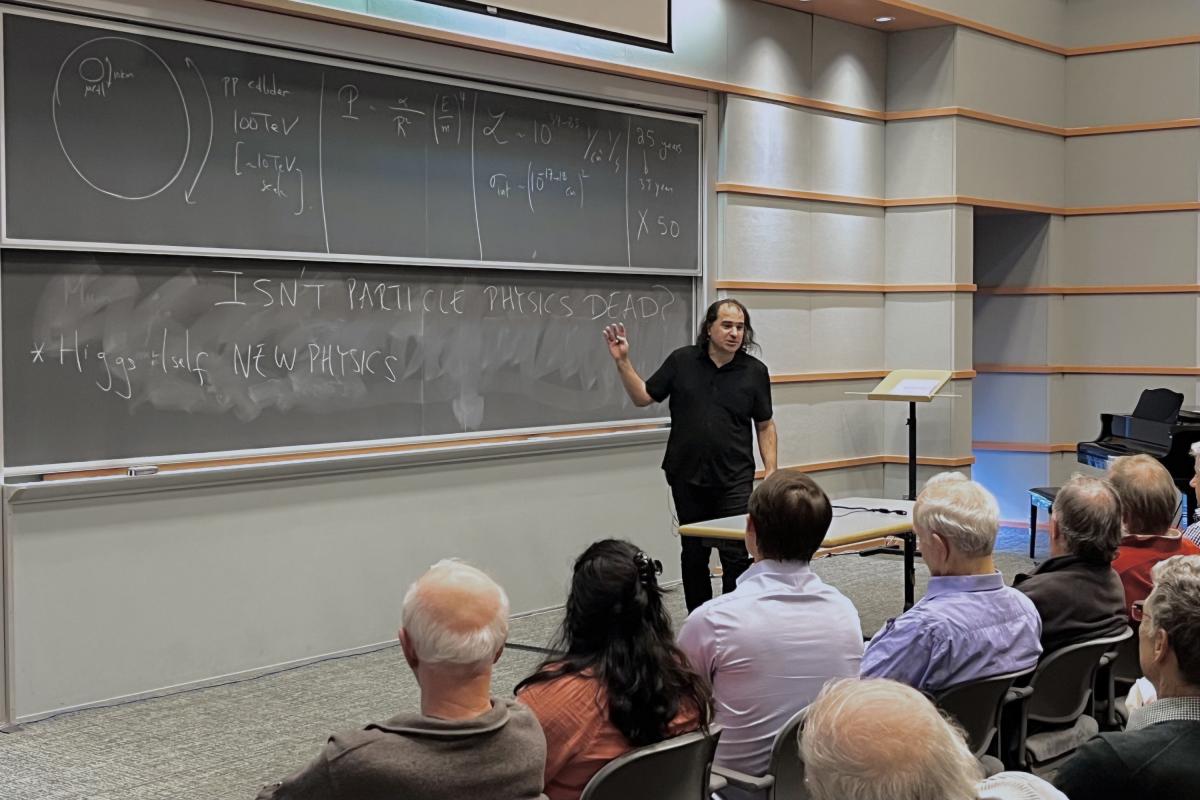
[224,742]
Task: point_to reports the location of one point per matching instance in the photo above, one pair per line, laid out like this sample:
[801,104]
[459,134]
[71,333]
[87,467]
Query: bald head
[876,739]
[455,614]
[1148,494]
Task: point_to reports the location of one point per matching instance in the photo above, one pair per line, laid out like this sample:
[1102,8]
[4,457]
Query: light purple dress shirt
[965,627]
[768,647]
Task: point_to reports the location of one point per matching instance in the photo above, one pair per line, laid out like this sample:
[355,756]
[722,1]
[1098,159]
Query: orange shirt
[1138,554]
[580,739]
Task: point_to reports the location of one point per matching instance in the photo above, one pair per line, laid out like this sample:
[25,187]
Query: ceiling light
[885,19]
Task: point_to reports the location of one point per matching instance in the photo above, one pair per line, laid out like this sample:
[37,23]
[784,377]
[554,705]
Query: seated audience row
[753,657]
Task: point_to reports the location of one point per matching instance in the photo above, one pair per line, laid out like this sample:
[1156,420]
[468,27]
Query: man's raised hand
[618,344]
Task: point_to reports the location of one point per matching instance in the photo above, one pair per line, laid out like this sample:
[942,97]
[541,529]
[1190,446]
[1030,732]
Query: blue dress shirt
[966,627]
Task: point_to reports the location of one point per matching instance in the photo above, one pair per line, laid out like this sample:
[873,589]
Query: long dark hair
[617,630]
[710,316]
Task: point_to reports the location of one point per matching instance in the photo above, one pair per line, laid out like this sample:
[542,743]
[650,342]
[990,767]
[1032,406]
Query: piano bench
[1039,497]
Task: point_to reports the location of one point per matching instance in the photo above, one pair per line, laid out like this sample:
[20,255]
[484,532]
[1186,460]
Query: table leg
[910,568]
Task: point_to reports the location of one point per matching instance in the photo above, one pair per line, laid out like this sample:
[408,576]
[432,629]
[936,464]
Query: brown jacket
[499,755]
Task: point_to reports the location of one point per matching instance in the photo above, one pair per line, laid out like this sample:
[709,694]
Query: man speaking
[718,391]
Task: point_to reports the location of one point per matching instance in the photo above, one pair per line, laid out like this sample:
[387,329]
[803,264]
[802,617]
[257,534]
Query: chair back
[673,769]
[977,706]
[786,765]
[1062,682]
[1127,668]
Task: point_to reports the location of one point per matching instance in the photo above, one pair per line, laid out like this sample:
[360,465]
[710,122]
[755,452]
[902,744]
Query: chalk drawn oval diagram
[116,103]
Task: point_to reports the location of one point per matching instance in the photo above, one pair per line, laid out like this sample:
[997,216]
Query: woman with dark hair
[617,681]
[718,393]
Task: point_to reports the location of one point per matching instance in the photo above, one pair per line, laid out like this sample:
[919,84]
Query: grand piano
[1159,427]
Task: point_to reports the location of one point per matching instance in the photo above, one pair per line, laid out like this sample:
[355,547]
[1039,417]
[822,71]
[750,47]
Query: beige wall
[947,156]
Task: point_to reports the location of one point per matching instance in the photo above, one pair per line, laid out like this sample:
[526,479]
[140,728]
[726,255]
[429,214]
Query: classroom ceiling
[864,13]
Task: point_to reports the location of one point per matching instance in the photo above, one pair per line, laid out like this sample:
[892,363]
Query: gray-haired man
[881,740]
[1077,592]
[464,743]
[1155,756]
[969,625]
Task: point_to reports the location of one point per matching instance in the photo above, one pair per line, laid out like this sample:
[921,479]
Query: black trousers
[698,503]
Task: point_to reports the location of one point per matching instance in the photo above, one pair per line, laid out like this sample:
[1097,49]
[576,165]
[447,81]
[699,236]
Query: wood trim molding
[1083,369]
[932,461]
[871,461]
[1025,447]
[351,451]
[775,97]
[823,377]
[1140,288]
[725,187]
[1142,44]
[851,375]
[1134,127]
[1140,208]
[991,30]
[969,113]
[845,288]
[1038,127]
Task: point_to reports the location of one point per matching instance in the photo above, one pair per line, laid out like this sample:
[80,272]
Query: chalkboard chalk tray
[118,138]
[111,357]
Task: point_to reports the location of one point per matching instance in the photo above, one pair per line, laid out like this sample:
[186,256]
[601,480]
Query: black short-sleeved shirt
[712,409]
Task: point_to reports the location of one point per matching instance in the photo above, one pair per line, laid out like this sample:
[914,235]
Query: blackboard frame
[698,120]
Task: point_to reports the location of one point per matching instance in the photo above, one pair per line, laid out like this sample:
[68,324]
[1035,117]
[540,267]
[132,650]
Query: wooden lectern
[911,386]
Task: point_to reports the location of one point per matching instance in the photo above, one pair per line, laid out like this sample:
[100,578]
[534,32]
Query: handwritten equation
[156,140]
[207,335]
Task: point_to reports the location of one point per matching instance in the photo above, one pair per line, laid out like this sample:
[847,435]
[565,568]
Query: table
[854,527]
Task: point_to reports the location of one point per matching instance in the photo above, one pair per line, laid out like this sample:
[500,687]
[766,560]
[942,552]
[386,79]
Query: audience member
[1192,534]
[881,740]
[969,625]
[1076,591]
[770,644]
[1156,754]
[463,743]
[618,681]
[1151,504]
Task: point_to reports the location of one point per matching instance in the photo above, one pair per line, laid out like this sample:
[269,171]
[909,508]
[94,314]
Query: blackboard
[120,139]
[120,356]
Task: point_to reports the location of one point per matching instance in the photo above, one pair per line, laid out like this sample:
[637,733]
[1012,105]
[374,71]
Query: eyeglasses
[1137,611]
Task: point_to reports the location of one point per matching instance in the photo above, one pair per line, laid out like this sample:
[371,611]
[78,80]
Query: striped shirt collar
[1165,709]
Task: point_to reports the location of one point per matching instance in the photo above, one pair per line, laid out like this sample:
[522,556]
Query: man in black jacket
[1077,593]
[1155,756]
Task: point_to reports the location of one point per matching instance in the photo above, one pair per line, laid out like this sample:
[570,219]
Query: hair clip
[648,567]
